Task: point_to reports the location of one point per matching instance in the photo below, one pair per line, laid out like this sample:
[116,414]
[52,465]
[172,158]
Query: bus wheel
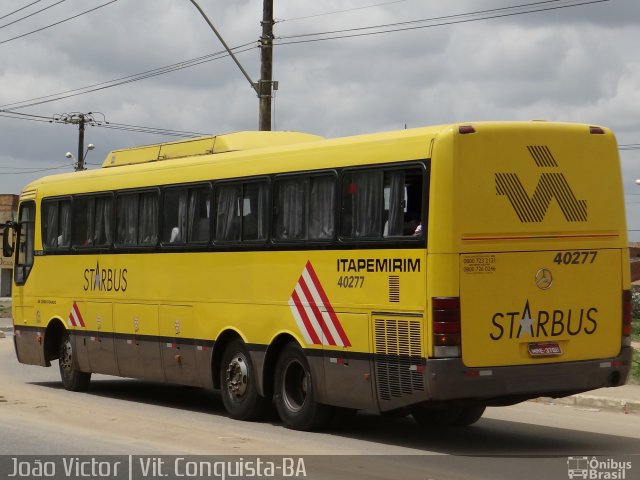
[238,384]
[440,417]
[72,378]
[470,415]
[294,394]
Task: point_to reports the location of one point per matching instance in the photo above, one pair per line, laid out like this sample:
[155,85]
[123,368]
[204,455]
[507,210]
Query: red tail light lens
[446,326]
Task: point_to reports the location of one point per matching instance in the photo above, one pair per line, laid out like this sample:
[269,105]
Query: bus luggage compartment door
[540,307]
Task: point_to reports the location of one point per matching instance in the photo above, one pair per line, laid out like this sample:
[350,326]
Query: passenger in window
[175,234]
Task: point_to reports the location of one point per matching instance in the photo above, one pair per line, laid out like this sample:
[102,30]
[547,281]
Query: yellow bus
[433,271]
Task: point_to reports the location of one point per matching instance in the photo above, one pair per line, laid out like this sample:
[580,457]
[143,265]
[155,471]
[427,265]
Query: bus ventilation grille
[394,289]
[397,358]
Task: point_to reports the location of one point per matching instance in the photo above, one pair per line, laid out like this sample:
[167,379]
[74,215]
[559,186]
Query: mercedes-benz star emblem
[544,279]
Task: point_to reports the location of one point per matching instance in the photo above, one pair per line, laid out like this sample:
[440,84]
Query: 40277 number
[575,258]
[351,281]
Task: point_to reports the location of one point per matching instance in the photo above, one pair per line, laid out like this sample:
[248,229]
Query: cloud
[575,64]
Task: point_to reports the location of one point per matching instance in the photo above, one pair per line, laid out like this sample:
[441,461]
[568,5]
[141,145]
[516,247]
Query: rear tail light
[445,317]
[627,308]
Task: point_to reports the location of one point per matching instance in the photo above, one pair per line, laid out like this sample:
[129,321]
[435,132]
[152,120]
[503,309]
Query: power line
[19,9]
[124,80]
[241,49]
[109,125]
[346,10]
[36,170]
[58,23]
[450,20]
[32,14]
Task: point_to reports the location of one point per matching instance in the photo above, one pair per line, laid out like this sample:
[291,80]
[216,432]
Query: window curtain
[396,183]
[127,225]
[198,215]
[148,219]
[64,225]
[228,213]
[262,211]
[291,209]
[51,228]
[102,233]
[322,208]
[367,204]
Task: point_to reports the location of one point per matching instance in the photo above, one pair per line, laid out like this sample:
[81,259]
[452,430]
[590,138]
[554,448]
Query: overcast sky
[568,64]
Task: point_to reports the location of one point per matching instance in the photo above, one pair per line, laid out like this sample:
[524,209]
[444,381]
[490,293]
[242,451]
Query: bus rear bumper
[450,379]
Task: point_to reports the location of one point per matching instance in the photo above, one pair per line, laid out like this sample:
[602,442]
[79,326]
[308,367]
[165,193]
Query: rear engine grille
[398,359]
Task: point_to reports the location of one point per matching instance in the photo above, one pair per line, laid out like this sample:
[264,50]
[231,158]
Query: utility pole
[80,161]
[80,119]
[264,88]
[266,66]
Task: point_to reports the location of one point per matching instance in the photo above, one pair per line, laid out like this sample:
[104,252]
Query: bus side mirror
[7,240]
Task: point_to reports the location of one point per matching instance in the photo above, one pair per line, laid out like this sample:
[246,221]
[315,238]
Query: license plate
[546,349]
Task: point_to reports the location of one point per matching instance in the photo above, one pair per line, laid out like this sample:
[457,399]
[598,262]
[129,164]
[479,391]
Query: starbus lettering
[105,279]
[543,323]
[375,265]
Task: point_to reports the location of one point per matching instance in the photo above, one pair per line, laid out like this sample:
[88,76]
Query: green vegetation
[635,368]
[5,309]
[635,330]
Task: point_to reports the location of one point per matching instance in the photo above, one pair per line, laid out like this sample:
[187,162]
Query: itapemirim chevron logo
[552,185]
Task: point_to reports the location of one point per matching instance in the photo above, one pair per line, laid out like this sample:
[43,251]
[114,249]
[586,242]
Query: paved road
[118,416]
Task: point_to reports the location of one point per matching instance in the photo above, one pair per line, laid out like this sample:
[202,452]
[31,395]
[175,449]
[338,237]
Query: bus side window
[174,224]
[25,247]
[199,215]
[228,211]
[127,219]
[148,219]
[254,211]
[82,232]
[103,221]
[305,208]
[381,203]
[56,224]
[362,198]
[291,207]
[403,202]
[322,208]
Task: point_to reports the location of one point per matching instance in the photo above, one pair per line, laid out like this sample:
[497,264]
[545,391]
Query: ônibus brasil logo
[597,469]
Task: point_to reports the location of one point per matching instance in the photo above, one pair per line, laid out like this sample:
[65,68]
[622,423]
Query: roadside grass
[635,330]
[5,309]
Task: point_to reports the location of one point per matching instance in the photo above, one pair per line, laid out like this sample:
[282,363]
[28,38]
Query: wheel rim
[237,376]
[66,358]
[295,386]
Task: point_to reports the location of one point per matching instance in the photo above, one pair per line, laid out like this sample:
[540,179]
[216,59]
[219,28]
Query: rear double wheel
[238,382]
[294,392]
[72,378]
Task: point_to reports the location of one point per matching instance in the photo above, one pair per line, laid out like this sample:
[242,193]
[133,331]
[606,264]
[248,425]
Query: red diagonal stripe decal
[327,305]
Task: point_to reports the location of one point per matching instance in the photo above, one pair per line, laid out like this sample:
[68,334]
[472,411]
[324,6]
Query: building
[8,210]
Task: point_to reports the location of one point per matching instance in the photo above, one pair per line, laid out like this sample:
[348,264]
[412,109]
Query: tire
[441,417]
[72,378]
[470,415]
[294,392]
[238,384]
